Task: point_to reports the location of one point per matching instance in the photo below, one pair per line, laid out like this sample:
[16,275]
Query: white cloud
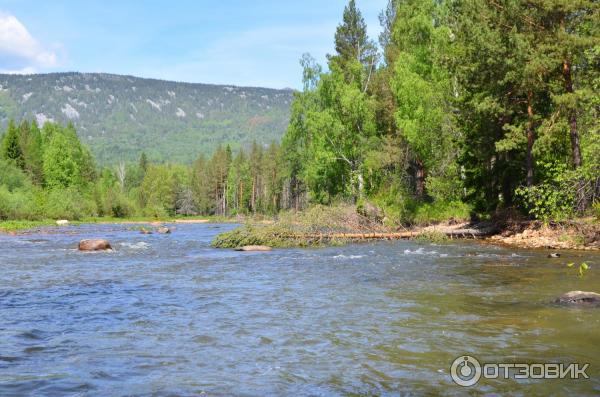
[20,52]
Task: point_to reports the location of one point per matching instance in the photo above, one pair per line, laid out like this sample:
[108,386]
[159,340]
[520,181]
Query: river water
[168,315]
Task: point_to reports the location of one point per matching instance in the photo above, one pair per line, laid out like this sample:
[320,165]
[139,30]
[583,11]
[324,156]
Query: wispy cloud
[259,57]
[20,52]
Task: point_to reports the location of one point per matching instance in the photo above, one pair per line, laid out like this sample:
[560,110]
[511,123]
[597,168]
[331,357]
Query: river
[168,315]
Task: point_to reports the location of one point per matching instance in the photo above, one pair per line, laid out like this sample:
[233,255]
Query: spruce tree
[11,146]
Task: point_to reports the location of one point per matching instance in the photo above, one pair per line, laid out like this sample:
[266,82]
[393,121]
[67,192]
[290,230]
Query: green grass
[309,228]
[276,236]
[14,226]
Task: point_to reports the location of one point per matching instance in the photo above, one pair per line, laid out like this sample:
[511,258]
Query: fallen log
[458,233]
[471,233]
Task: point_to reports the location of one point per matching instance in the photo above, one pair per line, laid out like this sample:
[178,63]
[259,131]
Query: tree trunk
[253,195]
[420,179]
[574,133]
[575,145]
[361,184]
[530,139]
[507,188]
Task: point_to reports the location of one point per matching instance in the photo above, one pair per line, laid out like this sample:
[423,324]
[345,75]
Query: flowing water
[168,315]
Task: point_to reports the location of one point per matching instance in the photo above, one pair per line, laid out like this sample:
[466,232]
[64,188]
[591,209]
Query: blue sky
[250,43]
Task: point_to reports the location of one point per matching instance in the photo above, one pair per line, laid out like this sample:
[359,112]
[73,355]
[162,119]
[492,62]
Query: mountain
[119,117]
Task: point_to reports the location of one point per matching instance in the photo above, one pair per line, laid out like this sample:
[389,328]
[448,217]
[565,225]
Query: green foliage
[157,191]
[66,162]
[552,200]
[439,211]
[68,203]
[18,204]
[11,147]
[432,237]
[581,269]
[11,176]
[545,202]
[474,101]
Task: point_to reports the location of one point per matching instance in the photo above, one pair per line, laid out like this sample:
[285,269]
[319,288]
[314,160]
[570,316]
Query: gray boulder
[579,298]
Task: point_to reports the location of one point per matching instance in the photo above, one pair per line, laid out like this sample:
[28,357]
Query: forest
[461,108]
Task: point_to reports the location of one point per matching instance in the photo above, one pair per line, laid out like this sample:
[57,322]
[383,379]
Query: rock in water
[554,255]
[163,230]
[94,245]
[145,231]
[579,298]
[254,248]
[62,222]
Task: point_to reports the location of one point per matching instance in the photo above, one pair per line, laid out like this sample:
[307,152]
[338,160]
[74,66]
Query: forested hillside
[465,108]
[119,117]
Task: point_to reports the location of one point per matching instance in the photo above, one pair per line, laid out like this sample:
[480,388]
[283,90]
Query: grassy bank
[317,226]
[16,226]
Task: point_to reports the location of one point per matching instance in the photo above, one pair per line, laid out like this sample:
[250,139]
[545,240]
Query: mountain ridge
[120,116]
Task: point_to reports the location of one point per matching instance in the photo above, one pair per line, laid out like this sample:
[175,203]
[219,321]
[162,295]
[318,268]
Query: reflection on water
[168,315]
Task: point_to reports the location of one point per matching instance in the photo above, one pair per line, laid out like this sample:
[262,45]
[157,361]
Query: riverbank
[22,226]
[577,234]
[325,226]
[333,226]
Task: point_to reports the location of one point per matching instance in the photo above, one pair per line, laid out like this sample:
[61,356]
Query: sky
[237,42]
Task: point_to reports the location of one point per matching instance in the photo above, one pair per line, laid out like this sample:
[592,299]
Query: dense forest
[463,107]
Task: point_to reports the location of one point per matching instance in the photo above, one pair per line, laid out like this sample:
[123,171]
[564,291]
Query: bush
[155,211]
[596,207]
[12,177]
[68,204]
[116,204]
[547,202]
[440,211]
[19,204]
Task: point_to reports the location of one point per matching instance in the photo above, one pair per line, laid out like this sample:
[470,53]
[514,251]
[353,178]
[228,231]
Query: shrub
[116,204]
[68,204]
[11,176]
[440,211]
[18,204]
[547,202]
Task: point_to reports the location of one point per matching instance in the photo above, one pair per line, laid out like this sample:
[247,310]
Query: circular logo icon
[466,371]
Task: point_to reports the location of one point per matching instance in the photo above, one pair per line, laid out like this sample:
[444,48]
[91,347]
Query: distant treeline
[48,173]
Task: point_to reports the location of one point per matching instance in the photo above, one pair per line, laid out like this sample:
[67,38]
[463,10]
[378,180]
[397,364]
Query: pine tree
[143,163]
[353,47]
[11,146]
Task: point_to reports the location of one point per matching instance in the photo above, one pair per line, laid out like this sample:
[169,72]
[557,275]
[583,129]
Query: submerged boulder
[163,230]
[579,298]
[254,248]
[94,245]
[62,222]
